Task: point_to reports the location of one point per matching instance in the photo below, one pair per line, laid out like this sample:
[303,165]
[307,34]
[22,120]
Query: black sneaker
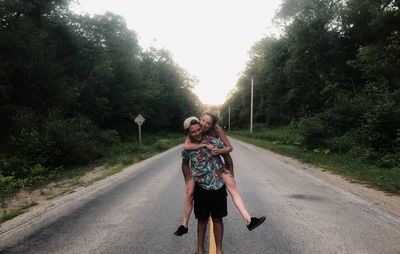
[181,231]
[255,222]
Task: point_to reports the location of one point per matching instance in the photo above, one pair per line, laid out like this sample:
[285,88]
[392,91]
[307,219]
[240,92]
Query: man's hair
[189,122]
[192,122]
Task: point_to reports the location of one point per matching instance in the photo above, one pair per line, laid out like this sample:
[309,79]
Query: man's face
[195,132]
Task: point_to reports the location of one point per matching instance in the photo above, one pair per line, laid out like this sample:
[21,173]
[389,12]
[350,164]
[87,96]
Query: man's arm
[186,169]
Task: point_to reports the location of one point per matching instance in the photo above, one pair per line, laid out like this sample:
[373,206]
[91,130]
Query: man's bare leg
[218,233]
[201,235]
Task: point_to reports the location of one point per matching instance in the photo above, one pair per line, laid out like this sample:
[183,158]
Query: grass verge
[8,215]
[284,142]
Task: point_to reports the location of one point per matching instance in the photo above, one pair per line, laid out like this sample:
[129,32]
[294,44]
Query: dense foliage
[334,76]
[70,86]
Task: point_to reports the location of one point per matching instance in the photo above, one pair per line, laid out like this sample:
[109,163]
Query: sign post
[140,120]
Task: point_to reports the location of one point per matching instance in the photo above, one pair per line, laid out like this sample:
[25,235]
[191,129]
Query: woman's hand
[216,151]
[210,147]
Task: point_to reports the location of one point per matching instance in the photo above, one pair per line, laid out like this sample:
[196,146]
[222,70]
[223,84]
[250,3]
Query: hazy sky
[208,38]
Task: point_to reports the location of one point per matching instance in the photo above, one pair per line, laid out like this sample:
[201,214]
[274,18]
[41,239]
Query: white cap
[186,123]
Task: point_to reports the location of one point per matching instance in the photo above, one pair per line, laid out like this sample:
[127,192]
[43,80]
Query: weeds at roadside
[284,142]
[8,215]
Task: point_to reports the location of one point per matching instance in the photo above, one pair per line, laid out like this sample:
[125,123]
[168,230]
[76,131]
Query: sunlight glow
[210,39]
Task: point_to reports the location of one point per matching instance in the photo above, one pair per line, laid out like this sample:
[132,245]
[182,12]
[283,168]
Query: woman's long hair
[214,119]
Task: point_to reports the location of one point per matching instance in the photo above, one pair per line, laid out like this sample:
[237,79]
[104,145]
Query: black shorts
[209,203]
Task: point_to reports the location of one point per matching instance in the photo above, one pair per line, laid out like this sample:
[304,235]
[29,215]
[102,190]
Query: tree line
[333,76]
[70,86]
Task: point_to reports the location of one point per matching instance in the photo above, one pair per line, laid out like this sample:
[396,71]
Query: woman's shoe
[255,222]
[181,231]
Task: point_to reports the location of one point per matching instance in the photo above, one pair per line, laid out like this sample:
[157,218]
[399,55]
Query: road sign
[140,120]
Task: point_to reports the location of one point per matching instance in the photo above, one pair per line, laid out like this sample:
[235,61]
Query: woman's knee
[189,196]
[189,190]
[230,184]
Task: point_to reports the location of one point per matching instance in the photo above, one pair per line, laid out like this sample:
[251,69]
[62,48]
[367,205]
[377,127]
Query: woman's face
[206,123]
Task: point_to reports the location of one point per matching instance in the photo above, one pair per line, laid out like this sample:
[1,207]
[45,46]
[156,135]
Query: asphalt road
[138,210]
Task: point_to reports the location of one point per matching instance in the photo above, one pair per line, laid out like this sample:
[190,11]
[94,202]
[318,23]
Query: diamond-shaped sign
[139,119]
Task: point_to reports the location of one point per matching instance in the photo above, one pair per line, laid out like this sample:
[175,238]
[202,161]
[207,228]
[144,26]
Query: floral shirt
[207,169]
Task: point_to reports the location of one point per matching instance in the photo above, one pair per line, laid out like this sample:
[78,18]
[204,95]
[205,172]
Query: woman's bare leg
[187,210]
[230,184]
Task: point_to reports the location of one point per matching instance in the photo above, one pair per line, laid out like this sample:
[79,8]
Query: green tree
[70,86]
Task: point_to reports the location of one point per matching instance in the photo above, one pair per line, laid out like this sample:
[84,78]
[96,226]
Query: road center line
[212,248]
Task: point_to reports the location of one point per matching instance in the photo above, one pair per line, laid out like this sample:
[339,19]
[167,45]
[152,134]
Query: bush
[313,132]
[109,137]
[364,154]
[342,144]
[26,141]
[381,119]
[389,160]
[342,116]
[75,141]
[40,142]
[15,166]
[162,144]
[37,174]
[9,185]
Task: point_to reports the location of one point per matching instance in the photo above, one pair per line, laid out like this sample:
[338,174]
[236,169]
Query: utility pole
[229,119]
[251,107]
[221,117]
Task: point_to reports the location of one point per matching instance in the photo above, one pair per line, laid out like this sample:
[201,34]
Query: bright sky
[209,38]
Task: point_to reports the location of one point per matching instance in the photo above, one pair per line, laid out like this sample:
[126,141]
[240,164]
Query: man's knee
[217,220]
[202,222]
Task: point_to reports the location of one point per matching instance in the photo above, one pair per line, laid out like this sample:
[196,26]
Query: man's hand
[216,151]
